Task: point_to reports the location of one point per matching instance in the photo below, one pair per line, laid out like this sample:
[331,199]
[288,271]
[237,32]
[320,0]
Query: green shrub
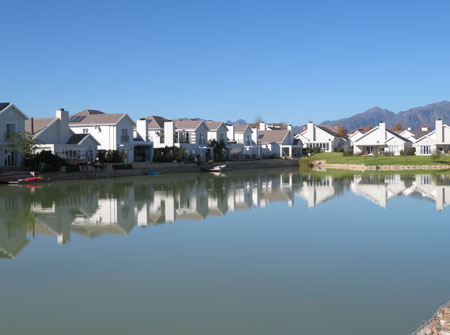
[169,154]
[316,150]
[348,152]
[305,163]
[122,166]
[436,155]
[110,156]
[44,161]
[72,168]
[340,149]
[411,152]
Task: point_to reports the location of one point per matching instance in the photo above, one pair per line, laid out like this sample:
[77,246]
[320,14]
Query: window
[124,137]
[10,129]
[247,140]
[201,138]
[85,130]
[425,149]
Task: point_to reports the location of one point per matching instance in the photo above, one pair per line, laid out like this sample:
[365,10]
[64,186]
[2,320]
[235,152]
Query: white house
[315,136]
[113,132]
[151,129]
[55,135]
[414,135]
[355,135]
[243,142]
[279,143]
[380,139]
[438,139]
[217,131]
[12,120]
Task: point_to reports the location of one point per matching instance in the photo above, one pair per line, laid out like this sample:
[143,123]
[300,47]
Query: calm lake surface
[260,252]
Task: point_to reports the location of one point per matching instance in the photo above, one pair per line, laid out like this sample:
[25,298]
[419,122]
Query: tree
[367,128]
[398,127]
[342,131]
[23,143]
[430,128]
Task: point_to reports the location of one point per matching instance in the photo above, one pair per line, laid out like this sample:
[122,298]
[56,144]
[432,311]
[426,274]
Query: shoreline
[323,166]
[141,169]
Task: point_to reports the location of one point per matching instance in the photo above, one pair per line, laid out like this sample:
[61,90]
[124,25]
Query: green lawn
[338,158]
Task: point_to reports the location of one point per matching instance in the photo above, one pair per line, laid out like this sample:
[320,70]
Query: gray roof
[3,105]
[38,124]
[329,131]
[272,136]
[187,124]
[212,125]
[397,135]
[92,116]
[156,122]
[240,128]
[76,138]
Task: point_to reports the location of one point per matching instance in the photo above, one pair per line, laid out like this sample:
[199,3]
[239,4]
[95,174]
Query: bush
[72,168]
[348,152]
[122,166]
[411,152]
[340,149]
[436,155]
[44,161]
[110,156]
[316,150]
[305,163]
[169,154]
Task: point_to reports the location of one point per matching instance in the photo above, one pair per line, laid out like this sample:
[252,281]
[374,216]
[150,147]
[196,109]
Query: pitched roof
[38,124]
[76,138]
[187,124]
[97,118]
[329,131]
[213,125]
[88,112]
[3,105]
[272,136]
[397,135]
[156,122]
[240,128]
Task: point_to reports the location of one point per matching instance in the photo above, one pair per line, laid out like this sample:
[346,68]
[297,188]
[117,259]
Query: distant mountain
[414,117]
[237,122]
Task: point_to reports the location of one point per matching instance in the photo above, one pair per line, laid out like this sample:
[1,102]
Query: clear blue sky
[289,61]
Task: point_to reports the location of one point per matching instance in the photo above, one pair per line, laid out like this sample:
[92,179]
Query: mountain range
[414,117]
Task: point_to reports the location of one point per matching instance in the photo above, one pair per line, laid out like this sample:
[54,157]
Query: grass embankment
[339,158]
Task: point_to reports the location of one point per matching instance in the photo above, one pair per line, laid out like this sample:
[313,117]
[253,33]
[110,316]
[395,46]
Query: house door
[10,158]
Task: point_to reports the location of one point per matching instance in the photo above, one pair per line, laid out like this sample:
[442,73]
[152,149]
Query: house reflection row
[95,208]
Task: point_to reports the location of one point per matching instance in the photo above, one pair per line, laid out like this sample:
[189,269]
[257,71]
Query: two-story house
[12,120]
[243,142]
[55,135]
[113,132]
[327,140]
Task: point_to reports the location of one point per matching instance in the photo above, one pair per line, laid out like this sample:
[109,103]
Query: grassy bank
[339,158]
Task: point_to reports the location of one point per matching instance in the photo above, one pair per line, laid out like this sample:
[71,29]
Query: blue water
[270,252]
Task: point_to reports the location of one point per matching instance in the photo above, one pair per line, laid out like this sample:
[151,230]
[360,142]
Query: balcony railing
[124,138]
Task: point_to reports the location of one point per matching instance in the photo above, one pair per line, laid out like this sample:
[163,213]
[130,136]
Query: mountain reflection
[115,207]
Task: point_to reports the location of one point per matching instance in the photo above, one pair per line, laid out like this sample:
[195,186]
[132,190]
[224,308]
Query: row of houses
[79,136]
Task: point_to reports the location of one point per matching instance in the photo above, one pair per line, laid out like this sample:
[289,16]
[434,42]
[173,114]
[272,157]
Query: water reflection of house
[13,226]
[316,191]
[378,190]
[113,216]
[425,186]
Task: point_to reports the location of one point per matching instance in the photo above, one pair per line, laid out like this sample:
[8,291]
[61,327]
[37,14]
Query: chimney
[142,129]
[32,125]
[169,133]
[439,131]
[63,115]
[424,128]
[289,127]
[409,128]
[262,126]
[311,130]
[382,128]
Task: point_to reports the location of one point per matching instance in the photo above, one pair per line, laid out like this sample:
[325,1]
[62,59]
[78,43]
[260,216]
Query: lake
[255,252]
